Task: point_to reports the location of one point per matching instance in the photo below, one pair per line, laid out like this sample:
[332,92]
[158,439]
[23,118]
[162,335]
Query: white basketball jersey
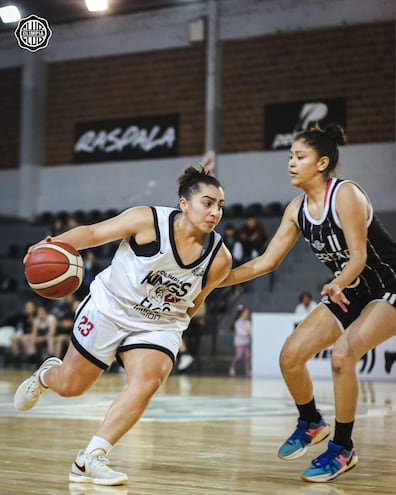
[148,287]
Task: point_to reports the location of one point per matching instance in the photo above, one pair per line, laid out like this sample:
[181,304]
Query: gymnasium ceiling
[62,11]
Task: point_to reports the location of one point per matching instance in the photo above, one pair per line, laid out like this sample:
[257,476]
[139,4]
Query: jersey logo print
[198,272]
[167,282]
[334,242]
[169,298]
[158,293]
[318,245]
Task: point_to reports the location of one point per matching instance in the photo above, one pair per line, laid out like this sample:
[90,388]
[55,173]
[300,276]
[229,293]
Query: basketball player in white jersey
[168,261]
[358,309]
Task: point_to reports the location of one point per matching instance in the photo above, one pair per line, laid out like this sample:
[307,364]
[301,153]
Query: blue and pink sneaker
[335,461]
[306,434]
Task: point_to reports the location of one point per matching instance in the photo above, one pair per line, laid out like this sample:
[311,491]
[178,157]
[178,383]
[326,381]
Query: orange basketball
[54,270]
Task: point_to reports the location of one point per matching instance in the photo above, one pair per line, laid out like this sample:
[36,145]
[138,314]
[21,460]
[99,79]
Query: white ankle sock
[97,443]
[41,377]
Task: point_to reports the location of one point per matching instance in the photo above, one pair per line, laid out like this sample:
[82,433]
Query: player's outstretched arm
[283,240]
[137,221]
[220,268]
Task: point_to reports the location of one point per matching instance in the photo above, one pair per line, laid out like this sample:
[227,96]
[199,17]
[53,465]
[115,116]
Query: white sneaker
[93,468]
[185,361]
[90,489]
[30,391]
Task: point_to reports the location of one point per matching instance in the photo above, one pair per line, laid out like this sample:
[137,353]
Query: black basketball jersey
[327,241]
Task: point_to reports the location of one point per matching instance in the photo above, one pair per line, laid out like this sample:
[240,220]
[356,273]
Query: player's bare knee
[288,358]
[71,388]
[147,387]
[152,385]
[341,357]
[138,396]
[68,391]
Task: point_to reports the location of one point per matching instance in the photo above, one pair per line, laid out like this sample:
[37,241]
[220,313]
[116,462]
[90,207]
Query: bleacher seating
[235,210]
[271,293]
[300,270]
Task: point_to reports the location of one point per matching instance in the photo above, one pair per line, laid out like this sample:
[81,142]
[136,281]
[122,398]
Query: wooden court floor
[199,436]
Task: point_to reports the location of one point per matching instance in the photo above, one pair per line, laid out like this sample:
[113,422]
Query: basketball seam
[72,271]
[75,268]
[70,256]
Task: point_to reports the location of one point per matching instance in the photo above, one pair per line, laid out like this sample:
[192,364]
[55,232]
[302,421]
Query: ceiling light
[96,5]
[9,14]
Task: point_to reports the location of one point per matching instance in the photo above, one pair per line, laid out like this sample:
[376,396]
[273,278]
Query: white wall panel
[248,177]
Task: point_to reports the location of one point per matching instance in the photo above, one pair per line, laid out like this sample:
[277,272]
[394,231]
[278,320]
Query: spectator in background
[8,284]
[230,238]
[189,349]
[21,344]
[92,268]
[253,237]
[43,333]
[242,341]
[185,358]
[1,276]
[72,221]
[305,305]
[64,311]
[57,227]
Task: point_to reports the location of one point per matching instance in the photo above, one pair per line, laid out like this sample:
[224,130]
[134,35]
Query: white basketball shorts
[100,340]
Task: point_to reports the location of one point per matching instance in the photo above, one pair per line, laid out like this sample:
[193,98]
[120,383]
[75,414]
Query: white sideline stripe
[76,267]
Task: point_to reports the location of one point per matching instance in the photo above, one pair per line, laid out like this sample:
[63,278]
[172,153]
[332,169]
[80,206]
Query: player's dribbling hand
[30,249]
[336,295]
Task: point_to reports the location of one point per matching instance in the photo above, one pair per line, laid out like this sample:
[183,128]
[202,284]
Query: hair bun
[336,133]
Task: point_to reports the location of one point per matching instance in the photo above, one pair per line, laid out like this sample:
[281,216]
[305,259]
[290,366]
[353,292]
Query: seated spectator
[185,359]
[7,284]
[189,350]
[64,311]
[253,237]
[72,221]
[7,332]
[305,305]
[230,238]
[92,268]
[43,334]
[57,227]
[21,344]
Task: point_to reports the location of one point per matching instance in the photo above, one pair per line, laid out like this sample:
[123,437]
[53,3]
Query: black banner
[133,138]
[284,120]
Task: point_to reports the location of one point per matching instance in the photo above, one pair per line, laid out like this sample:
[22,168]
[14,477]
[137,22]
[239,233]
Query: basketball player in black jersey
[358,309]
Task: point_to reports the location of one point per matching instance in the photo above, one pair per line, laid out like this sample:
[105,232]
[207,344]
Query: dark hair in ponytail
[325,142]
[191,178]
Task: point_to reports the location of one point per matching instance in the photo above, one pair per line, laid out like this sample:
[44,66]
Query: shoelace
[102,461]
[300,433]
[327,459]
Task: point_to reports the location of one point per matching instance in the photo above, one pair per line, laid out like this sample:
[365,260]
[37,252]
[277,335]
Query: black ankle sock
[343,434]
[308,412]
